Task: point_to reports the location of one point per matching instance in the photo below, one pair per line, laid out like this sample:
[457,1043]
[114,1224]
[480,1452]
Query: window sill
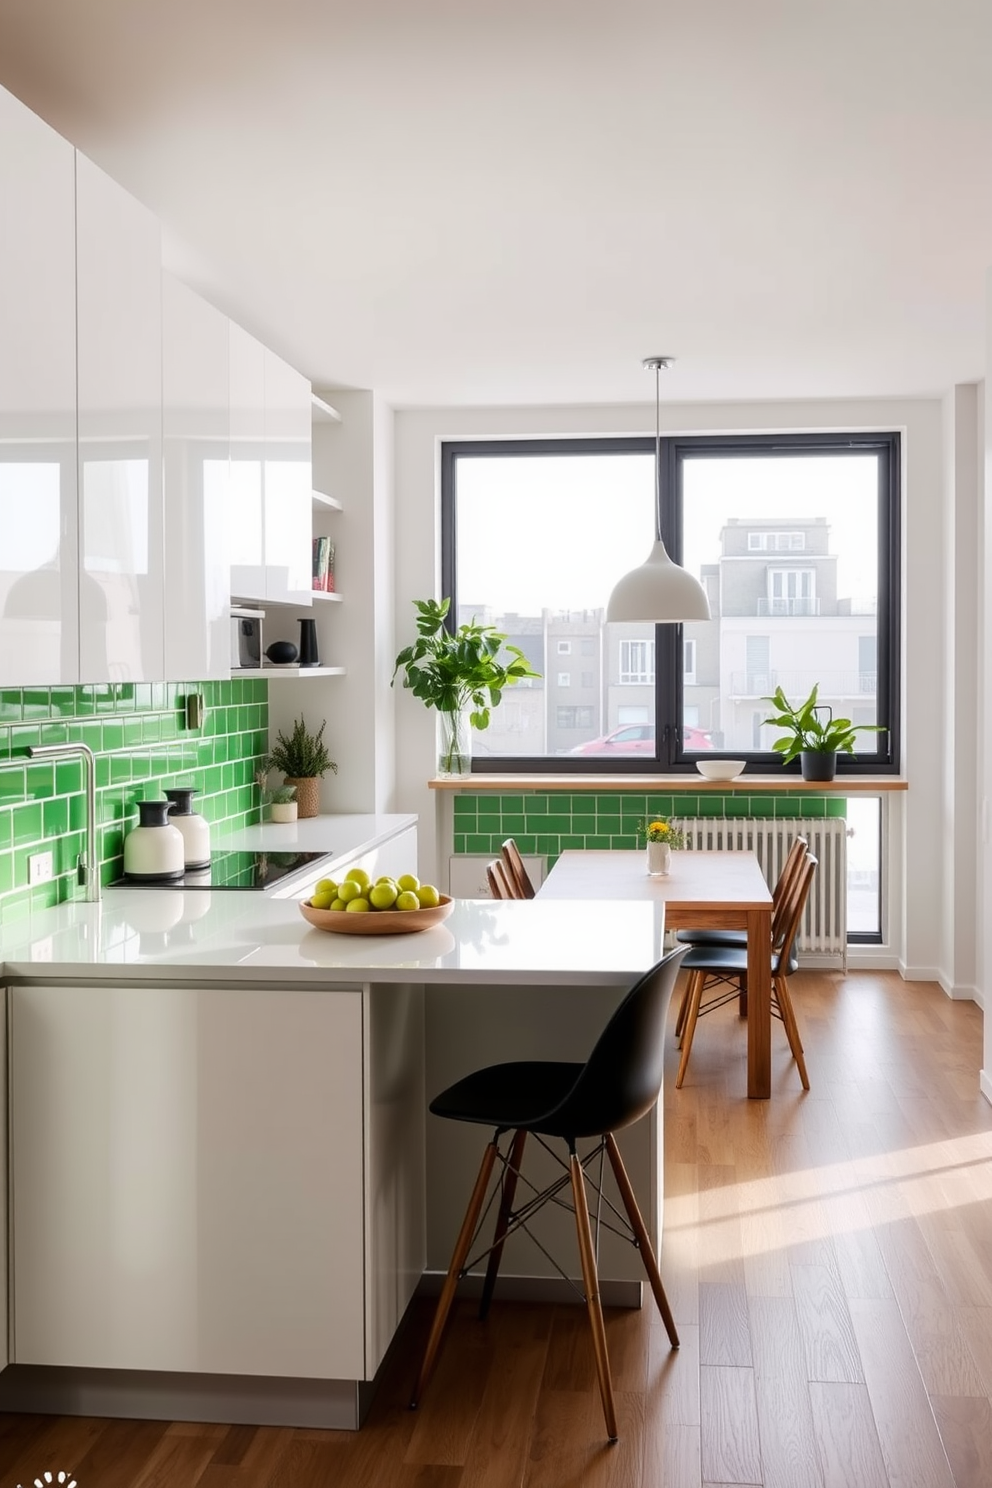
[842,785]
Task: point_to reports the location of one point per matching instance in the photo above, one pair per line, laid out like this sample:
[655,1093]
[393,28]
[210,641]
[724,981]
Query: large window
[794,537]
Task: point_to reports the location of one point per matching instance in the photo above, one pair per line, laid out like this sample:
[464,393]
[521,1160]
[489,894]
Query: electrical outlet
[40,868]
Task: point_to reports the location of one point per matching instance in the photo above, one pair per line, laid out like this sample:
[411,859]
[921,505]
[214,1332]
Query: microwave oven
[246,638]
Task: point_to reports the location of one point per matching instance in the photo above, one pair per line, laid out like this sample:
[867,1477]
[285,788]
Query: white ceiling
[514,201]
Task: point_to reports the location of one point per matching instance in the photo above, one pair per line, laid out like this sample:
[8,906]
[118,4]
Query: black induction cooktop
[231,870]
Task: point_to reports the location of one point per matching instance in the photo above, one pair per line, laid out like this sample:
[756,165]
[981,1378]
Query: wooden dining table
[708,890]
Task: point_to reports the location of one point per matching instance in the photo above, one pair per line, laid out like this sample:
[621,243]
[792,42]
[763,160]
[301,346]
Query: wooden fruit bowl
[376,921]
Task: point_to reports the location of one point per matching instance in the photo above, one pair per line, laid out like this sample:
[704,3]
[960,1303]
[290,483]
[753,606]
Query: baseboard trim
[235,1400]
[537,1289]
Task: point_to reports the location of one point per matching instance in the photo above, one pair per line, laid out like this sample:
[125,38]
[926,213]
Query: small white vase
[283,811]
[659,858]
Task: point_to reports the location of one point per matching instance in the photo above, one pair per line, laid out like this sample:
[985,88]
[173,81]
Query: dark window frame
[669,757]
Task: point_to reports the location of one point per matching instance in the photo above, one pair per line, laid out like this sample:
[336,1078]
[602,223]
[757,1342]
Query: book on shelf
[323,564]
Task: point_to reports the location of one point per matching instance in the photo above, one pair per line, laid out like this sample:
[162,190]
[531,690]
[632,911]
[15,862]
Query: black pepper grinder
[309,656]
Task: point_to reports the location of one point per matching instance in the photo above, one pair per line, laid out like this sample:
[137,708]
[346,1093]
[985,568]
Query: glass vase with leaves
[462,674]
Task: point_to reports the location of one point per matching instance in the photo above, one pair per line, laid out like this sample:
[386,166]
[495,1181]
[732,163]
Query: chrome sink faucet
[87,866]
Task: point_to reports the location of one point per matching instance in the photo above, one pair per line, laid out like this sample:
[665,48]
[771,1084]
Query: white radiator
[824,928]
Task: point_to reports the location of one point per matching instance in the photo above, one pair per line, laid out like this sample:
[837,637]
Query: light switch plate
[40,868]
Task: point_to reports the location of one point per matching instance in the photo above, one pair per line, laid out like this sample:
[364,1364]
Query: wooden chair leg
[643,1238]
[692,1016]
[783,997]
[502,1220]
[458,1259]
[684,1005]
[594,1306]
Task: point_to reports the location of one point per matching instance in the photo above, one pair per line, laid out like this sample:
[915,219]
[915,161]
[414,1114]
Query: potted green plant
[816,741]
[283,805]
[461,674]
[303,759]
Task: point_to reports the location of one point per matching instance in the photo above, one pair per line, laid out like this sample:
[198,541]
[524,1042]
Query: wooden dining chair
[726,966]
[499,881]
[518,874]
[783,886]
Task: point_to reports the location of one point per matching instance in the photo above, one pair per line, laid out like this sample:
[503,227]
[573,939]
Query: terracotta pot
[307,794]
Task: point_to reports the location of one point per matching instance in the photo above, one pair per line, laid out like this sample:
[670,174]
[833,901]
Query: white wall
[917,822]
[960,701]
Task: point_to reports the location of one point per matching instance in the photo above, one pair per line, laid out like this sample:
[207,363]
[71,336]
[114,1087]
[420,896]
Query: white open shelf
[325,503]
[330,595]
[288,671]
[324,412]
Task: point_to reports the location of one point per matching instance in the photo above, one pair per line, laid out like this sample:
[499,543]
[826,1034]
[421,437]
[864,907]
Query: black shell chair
[618,1084]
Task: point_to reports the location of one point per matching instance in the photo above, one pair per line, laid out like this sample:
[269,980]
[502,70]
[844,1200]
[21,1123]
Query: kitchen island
[224,1186]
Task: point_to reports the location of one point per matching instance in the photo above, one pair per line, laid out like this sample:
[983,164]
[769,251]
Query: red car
[638,738]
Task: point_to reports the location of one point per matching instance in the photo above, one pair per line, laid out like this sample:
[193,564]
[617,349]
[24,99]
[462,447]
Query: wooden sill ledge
[843,785]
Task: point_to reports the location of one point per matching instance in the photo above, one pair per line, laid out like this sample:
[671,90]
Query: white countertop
[244,936]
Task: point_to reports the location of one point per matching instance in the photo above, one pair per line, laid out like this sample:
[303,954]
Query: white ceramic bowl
[720,769]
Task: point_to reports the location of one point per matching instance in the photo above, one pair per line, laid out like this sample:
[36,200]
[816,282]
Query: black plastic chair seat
[712,937]
[730,961]
[517,1097]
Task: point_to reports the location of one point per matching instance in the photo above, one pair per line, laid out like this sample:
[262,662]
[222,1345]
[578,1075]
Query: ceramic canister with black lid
[154,850]
[195,828]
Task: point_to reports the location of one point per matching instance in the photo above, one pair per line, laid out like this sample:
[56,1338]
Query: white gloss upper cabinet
[245,522]
[119,390]
[38,630]
[287,484]
[196,447]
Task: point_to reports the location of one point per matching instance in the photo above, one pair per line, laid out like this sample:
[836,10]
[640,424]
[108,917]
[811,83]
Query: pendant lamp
[659,592]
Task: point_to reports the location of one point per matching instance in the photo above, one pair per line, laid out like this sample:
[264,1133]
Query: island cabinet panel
[4,1184]
[188,1170]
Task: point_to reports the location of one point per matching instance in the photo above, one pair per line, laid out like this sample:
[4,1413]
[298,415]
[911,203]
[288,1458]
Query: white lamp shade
[659,591]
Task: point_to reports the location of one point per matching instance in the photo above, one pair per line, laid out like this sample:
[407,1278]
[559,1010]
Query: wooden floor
[829,1260]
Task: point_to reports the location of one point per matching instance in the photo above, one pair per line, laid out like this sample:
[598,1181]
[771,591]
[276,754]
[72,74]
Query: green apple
[338,904]
[408,900]
[358,906]
[321,901]
[428,896]
[326,886]
[409,881]
[349,890]
[358,876]
[383,895]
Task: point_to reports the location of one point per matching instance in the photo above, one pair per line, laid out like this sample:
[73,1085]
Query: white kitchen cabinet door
[196,450]
[245,520]
[187,1164]
[119,317]
[38,581]
[287,484]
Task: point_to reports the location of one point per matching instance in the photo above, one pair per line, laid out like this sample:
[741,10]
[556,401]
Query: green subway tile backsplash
[551,824]
[138,733]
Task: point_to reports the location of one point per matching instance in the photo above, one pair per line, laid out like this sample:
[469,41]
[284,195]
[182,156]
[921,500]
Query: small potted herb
[460,673]
[815,740]
[282,804]
[303,758]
